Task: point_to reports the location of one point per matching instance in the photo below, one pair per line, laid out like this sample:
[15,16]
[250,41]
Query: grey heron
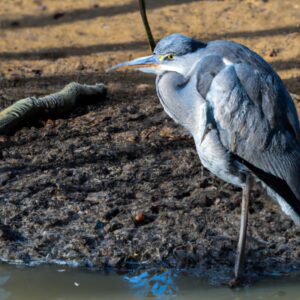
[242,118]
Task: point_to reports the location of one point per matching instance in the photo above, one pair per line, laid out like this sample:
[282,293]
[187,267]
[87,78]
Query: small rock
[139,217]
[274,52]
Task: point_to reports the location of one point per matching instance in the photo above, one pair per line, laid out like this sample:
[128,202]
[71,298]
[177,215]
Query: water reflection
[63,283]
[3,293]
[159,284]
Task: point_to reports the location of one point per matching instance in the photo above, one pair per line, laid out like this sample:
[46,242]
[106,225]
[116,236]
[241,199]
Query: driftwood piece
[32,109]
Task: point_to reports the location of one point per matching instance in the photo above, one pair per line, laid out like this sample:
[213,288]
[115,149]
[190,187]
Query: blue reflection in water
[159,283]
[3,293]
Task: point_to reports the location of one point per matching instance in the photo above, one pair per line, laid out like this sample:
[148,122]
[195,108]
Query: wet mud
[118,183]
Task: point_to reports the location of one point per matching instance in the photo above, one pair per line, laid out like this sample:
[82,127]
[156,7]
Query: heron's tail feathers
[285,206]
[285,191]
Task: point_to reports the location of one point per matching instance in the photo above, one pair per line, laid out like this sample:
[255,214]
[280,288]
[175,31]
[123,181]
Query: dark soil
[119,183]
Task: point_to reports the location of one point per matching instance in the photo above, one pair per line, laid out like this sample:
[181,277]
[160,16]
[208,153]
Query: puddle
[62,283]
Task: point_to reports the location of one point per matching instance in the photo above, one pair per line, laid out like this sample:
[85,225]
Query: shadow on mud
[62,52]
[76,15]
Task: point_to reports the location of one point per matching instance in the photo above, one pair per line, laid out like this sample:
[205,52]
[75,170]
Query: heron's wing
[255,118]
[260,82]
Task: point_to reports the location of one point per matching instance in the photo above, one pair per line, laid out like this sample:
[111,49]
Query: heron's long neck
[177,104]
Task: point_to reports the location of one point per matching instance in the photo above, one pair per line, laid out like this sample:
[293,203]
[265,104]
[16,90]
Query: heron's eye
[170,56]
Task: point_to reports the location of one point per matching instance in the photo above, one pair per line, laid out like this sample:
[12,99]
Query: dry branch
[63,102]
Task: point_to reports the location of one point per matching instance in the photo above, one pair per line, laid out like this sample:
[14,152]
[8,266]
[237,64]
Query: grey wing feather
[254,114]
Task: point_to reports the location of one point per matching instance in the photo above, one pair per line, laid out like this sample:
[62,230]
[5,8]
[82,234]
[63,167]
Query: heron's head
[173,53]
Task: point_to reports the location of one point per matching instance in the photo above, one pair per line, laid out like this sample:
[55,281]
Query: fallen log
[32,109]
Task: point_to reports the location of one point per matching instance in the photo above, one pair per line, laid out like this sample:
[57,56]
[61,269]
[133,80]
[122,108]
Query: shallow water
[61,283]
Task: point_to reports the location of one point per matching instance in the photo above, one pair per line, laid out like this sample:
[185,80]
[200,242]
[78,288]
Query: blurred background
[40,38]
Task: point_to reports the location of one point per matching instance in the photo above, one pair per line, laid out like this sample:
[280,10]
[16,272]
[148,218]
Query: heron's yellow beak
[145,62]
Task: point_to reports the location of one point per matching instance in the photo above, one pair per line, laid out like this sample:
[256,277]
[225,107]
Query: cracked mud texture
[118,183]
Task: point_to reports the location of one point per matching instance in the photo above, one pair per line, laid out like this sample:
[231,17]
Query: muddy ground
[118,183]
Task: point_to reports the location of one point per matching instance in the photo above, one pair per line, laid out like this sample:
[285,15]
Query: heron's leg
[239,262]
